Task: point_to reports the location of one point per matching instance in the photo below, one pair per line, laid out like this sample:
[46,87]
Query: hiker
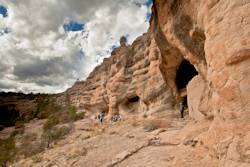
[182,109]
[116,118]
[100,117]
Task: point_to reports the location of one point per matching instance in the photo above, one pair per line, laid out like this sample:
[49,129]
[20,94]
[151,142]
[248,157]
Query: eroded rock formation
[195,50]
[128,82]
[211,35]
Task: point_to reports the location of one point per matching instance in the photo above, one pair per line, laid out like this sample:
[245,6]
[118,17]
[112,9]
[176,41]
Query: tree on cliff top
[123,41]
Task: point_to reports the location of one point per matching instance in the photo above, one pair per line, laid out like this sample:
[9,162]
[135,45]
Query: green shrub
[45,108]
[7,147]
[80,116]
[29,145]
[51,122]
[73,115]
[55,133]
[36,158]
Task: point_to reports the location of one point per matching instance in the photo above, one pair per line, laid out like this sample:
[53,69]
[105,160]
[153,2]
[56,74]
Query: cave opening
[185,73]
[134,99]
[8,115]
[130,105]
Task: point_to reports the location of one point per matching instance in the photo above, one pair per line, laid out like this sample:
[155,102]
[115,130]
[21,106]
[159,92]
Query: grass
[36,158]
[8,150]
[46,107]
[152,125]
[30,146]
[55,134]
[51,122]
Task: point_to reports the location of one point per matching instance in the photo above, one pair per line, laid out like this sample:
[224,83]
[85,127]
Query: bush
[29,145]
[45,108]
[72,113]
[7,147]
[51,122]
[19,124]
[74,116]
[55,133]
[36,158]
[152,125]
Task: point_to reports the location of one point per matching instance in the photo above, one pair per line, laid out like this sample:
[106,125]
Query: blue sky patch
[73,26]
[113,46]
[3,11]
[148,16]
[149,3]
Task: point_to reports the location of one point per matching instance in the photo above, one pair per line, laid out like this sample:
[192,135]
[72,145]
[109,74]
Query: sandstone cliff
[194,51]
[129,82]
[143,78]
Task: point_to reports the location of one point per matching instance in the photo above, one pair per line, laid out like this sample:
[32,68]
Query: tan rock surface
[140,81]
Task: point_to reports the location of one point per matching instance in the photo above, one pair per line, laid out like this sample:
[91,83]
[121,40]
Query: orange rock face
[214,36]
[128,82]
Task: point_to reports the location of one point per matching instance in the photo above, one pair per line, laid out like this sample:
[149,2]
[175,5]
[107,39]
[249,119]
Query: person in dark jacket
[100,117]
[182,109]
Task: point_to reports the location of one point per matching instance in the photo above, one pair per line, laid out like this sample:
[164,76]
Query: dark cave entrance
[134,99]
[8,115]
[185,73]
[131,104]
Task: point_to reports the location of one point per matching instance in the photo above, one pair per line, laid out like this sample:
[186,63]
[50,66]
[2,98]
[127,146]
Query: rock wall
[214,36]
[128,82]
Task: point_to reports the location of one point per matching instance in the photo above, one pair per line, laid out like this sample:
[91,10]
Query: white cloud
[39,56]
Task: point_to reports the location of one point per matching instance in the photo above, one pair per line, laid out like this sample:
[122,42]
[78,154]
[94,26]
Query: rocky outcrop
[123,83]
[16,106]
[195,50]
[213,36]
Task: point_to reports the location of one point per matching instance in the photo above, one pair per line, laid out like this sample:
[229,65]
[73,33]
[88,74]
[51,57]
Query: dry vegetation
[152,125]
[58,125]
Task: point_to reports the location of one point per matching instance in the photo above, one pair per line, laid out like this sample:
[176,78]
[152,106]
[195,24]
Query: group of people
[114,118]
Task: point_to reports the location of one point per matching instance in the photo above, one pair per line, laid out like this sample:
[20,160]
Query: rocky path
[126,143]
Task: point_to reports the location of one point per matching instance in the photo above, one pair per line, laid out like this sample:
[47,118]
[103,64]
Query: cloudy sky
[46,45]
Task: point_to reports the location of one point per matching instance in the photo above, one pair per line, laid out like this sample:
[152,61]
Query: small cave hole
[130,105]
[134,99]
[185,73]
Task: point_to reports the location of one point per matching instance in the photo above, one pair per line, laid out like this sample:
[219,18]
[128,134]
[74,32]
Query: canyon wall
[213,36]
[195,51]
[129,82]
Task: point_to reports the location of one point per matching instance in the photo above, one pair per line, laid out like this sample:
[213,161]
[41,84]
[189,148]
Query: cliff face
[195,51]
[213,36]
[128,82]
[14,106]
[153,74]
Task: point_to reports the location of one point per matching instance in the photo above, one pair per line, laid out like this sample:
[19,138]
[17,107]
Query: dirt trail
[126,143]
